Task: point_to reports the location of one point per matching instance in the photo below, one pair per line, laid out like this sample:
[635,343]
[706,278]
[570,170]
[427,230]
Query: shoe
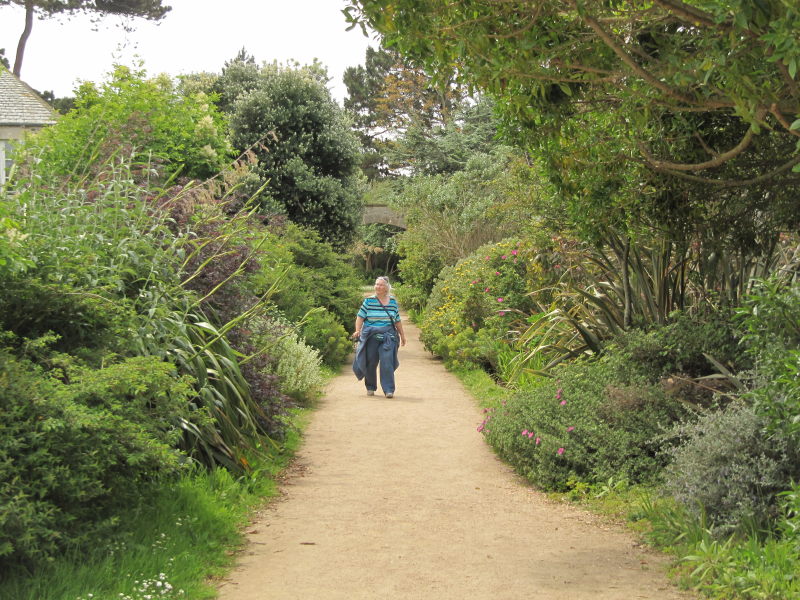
[390,395]
[370,392]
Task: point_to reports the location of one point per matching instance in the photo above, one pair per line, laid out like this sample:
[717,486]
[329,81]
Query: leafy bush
[771,319]
[317,276]
[132,118]
[592,423]
[85,324]
[681,345]
[486,291]
[296,364]
[70,452]
[323,332]
[727,467]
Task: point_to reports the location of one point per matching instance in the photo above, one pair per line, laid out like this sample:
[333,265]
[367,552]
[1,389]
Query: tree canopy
[705,91]
[146,9]
[307,153]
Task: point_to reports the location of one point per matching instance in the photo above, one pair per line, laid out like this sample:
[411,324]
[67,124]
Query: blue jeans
[379,356]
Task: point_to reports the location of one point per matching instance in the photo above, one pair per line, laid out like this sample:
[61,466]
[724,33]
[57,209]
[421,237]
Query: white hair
[385,279]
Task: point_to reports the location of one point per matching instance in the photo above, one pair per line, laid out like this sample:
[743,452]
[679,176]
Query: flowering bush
[476,302]
[591,423]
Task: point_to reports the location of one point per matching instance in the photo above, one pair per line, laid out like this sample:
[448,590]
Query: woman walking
[379,333]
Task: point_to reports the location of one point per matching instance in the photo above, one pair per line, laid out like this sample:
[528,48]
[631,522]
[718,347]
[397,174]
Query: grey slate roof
[20,105]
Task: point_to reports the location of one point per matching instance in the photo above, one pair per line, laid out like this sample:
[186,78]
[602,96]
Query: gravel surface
[401,498]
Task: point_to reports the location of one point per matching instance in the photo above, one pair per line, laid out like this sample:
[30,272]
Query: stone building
[21,110]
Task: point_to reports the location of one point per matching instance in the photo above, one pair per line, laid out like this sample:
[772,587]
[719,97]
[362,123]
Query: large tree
[307,153]
[389,97]
[703,90]
[147,9]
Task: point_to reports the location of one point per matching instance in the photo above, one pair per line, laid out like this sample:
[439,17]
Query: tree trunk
[23,39]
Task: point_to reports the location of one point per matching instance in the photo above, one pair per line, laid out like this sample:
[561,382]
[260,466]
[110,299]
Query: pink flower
[486,290]
[570,428]
[563,402]
[499,299]
[530,434]
[558,393]
[504,257]
[487,258]
[514,252]
[497,272]
[524,432]
[560,451]
[480,427]
[473,282]
[501,313]
[538,440]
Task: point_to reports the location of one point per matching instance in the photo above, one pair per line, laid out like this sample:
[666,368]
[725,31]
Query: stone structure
[21,110]
[375,213]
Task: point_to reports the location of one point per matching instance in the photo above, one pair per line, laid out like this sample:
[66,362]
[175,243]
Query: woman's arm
[359,325]
[399,326]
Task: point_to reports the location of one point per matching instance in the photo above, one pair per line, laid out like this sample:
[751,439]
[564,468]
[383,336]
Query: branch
[628,60]
[718,160]
[776,112]
[687,13]
[736,183]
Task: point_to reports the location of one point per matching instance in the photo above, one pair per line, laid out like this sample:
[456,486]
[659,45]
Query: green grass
[174,544]
[482,387]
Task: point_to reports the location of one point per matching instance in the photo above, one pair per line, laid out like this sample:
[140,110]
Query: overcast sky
[196,35]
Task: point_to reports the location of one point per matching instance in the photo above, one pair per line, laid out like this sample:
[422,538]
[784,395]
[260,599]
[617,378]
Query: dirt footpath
[401,498]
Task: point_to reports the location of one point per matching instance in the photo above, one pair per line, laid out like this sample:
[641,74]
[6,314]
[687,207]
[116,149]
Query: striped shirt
[374,315]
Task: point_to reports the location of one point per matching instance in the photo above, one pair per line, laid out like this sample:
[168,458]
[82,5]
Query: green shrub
[475,303]
[86,324]
[591,423]
[323,332]
[71,452]
[318,276]
[771,320]
[299,369]
[681,345]
[130,117]
[728,468]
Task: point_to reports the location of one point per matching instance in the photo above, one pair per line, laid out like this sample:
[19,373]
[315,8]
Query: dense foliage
[133,118]
[144,328]
[307,154]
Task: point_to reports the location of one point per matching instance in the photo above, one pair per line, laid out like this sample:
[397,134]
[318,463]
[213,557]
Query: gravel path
[402,499]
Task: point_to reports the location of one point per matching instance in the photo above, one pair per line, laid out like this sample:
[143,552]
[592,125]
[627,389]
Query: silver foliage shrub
[729,467]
